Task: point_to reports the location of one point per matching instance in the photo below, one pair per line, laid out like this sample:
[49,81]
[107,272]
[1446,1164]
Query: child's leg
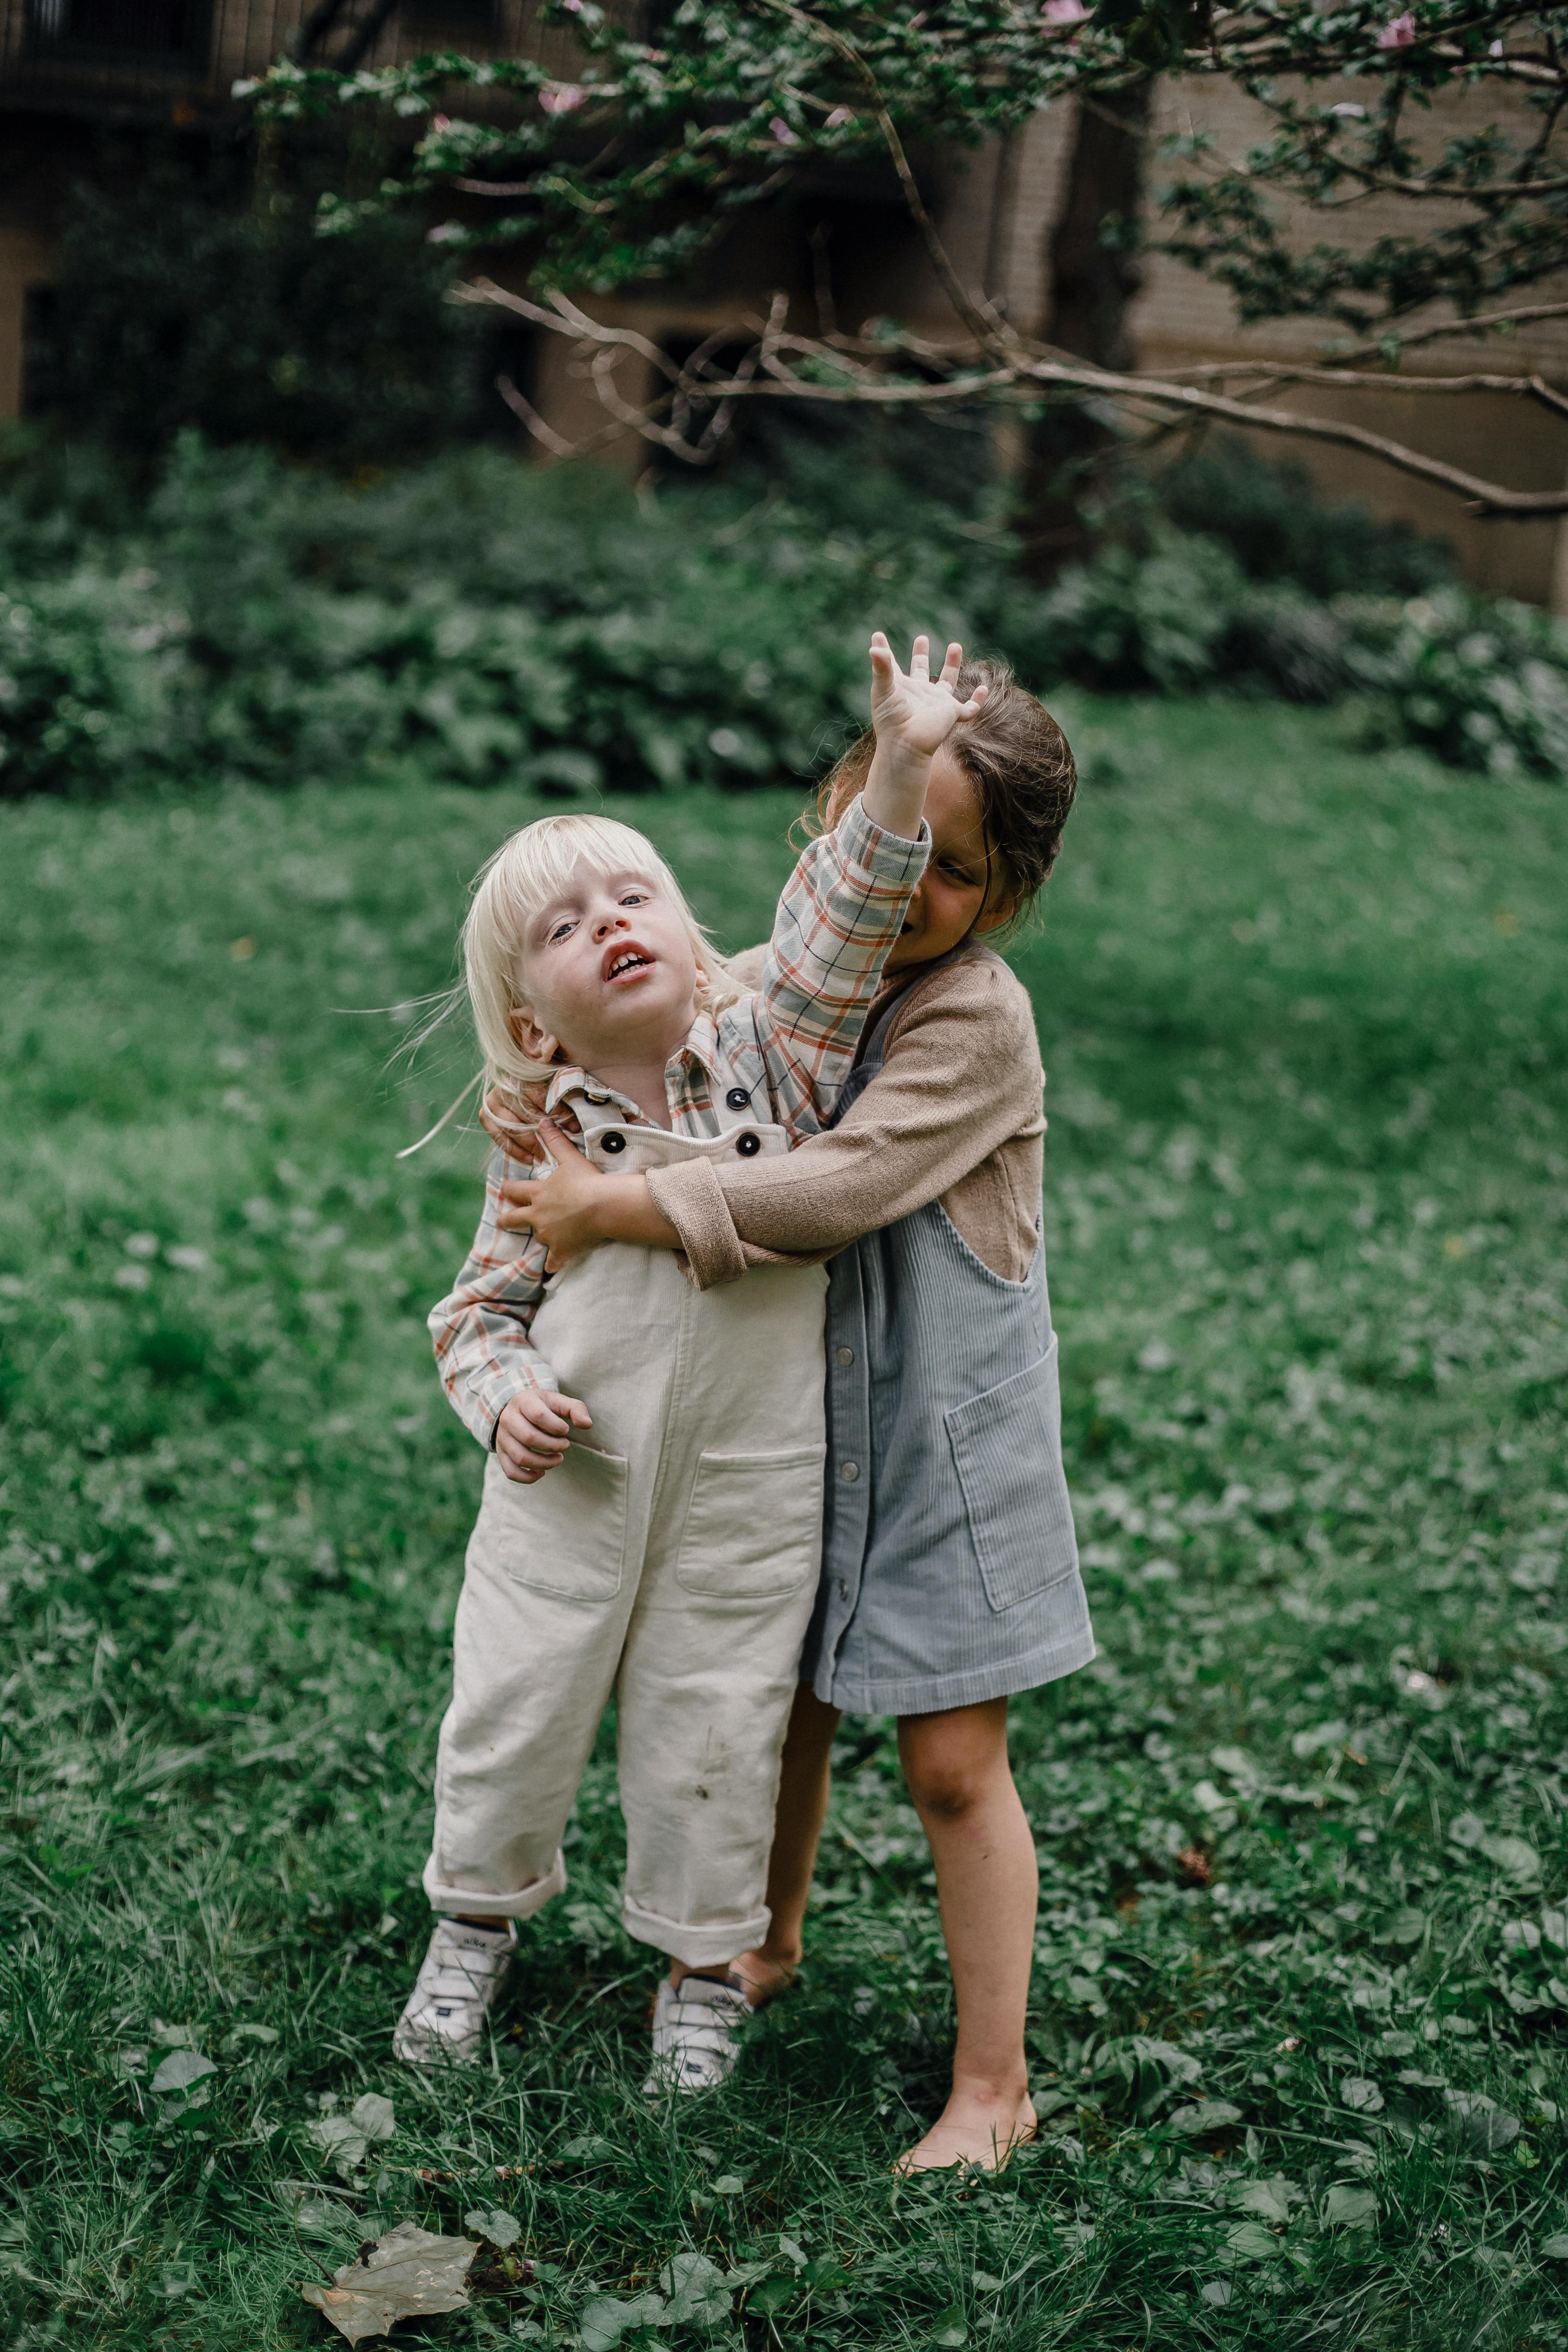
[702,1702]
[987,1884]
[803,1781]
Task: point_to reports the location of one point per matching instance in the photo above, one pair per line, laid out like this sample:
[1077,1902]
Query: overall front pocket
[1007,1451]
[566,1535]
[754,1525]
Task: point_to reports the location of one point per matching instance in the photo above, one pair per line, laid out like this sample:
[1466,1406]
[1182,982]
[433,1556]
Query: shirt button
[844,1355]
[851,1471]
[592,1097]
[737,1099]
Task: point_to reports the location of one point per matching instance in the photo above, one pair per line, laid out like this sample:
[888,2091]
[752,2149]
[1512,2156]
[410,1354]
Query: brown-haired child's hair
[1020,764]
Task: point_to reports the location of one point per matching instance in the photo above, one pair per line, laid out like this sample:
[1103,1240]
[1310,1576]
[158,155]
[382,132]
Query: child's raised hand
[914,714]
[534,1430]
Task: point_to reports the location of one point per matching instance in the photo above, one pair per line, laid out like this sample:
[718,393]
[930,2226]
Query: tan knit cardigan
[953,1116]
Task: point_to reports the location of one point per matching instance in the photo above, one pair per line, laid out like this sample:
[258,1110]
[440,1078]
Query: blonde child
[651,1516]
[949,1574]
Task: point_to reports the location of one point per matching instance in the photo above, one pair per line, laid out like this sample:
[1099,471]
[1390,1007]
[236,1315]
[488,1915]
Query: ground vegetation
[1301,1985]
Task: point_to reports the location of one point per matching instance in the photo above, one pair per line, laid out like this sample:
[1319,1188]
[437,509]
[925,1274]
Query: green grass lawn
[1303,1982]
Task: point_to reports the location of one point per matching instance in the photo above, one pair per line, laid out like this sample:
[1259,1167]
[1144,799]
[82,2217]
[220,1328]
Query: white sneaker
[454,1992]
[694,2023]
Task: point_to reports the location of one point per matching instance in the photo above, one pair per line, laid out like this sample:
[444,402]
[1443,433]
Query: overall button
[615,1140]
[851,1471]
[844,1355]
[749,1144]
[737,1099]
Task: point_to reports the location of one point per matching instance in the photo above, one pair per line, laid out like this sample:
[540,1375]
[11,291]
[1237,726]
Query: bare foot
[763,1977]
[978,2131]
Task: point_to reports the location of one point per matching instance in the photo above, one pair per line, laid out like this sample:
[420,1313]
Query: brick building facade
[68,65]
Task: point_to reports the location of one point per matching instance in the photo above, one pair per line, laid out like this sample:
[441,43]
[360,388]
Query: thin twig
[1025,373]
[532,419]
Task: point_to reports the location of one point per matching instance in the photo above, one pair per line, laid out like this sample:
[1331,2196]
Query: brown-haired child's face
[960,890]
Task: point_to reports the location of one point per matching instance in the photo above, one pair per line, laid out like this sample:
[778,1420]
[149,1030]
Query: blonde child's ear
[538,1043]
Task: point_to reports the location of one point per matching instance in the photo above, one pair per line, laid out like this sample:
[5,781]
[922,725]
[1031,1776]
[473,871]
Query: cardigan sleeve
[961,1079]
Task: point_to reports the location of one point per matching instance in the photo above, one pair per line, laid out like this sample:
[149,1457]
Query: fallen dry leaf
[407,2273]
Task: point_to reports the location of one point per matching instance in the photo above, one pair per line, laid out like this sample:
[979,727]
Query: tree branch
[1028,373]
[1523,387]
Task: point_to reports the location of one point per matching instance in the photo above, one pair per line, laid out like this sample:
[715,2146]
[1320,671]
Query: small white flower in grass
[132,1277]
[140,1245]
[186,1257]
[1398,35]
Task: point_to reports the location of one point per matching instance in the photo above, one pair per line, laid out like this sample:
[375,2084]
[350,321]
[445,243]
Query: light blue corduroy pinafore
[950,1567]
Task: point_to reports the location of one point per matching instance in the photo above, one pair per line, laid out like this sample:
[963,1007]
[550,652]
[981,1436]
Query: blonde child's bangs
[524,877]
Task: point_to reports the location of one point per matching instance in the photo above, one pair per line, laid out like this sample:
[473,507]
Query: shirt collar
[700,1046]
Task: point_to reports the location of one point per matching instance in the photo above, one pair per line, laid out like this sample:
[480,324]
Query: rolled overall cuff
[690,1195]
[699,1948]
[521,1904]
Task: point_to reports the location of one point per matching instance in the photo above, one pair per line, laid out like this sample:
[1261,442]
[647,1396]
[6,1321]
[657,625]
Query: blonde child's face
[951,899]
[607,975]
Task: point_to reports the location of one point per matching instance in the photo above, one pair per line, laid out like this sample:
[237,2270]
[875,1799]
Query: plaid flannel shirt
[791,1045]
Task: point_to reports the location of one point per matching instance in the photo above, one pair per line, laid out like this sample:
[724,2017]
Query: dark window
[168,28]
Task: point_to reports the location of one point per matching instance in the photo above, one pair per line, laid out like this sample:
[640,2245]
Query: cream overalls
[672,1558]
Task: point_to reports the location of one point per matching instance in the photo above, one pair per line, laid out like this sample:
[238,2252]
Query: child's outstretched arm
[844,906]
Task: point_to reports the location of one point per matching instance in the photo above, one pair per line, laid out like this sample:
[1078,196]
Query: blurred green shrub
[500,622]
[1278,526]
[1483,685]
[497,622]
[179,304]
[91,672]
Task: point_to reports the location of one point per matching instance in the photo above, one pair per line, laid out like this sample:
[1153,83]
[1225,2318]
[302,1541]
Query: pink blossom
[783,133]
[440,122]
[1400,35]
[838,117]
[1064,12]
[572,7]
[563,98]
